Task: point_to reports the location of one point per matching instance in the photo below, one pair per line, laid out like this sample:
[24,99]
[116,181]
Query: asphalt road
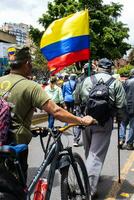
[108,187]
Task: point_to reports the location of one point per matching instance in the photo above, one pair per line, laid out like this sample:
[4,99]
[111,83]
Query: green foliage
[35,35]
[39,61]
[125,71]
[107,33]
[70,70]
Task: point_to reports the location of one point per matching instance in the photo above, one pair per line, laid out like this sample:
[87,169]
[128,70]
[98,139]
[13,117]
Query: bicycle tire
[4,196]
[10,186]
[68,190]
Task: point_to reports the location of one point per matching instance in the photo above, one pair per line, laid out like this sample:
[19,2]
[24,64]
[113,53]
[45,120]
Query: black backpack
[99,104]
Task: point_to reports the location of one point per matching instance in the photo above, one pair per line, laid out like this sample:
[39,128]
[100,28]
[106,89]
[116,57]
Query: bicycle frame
[40,171]
[57,158]
[50,159]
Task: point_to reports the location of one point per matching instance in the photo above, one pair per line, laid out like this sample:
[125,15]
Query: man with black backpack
[101,94]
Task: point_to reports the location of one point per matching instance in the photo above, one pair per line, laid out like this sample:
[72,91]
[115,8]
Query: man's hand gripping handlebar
[87,120]
[43,131]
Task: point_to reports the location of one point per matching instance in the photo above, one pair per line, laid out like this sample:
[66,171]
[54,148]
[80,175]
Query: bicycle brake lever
[44,132]
[34,133]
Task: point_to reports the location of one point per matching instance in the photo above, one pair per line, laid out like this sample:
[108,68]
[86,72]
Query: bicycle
[74,178]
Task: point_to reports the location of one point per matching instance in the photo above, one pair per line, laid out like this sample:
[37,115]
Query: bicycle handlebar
[43,131]
[62,129]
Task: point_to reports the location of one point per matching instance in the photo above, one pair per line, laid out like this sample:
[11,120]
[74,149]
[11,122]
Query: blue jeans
[77,133]
[130,138]
[123,126]
[51,120]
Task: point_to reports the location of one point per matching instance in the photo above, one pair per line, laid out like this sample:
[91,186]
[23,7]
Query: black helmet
[105,63]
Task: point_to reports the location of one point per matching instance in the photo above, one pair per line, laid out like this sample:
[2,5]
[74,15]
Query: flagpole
[89,63]
[89,68]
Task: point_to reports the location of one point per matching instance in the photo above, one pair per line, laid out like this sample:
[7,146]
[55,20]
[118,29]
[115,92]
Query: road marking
[123,194]
[117,186]
[132,198]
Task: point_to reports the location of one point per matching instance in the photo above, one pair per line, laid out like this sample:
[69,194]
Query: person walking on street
[55,93]
[27,95]
[79,107]
[127,142]
[68,89]
[97,137]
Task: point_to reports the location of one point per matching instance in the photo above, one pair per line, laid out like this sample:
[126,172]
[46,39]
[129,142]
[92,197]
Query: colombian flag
[66,41]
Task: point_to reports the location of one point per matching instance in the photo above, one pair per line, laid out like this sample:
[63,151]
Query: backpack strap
[110,81]
[12,87]
[93,79]
[72,89]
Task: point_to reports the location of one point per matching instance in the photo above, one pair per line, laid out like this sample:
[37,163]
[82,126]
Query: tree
[107,33]
[39,61]
[35,34]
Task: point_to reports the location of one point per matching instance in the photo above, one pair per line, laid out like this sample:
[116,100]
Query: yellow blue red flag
[66,41]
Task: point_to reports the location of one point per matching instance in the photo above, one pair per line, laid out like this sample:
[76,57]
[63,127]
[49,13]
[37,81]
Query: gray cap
[132,72]
[105,63]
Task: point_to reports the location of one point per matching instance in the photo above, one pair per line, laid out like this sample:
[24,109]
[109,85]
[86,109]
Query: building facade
[6,40]
[21,31]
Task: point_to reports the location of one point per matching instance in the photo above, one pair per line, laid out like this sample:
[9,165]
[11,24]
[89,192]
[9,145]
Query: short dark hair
[21,56]
[53,79]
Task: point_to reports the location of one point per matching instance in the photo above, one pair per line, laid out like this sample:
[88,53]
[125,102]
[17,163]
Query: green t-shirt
[26,95]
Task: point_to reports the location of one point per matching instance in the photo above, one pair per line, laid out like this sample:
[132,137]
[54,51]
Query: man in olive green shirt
[26,95]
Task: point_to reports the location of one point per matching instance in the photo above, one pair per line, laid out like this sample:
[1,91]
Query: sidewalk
[39,117]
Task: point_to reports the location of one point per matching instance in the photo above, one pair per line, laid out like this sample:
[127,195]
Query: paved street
[108,188]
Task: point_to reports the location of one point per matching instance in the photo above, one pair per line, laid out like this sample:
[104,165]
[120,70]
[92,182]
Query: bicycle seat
[8,150]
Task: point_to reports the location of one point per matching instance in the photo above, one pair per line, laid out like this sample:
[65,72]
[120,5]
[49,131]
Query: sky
[29,11]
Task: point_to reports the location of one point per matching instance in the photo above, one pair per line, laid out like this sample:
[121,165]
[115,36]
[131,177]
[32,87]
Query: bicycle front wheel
[70,185]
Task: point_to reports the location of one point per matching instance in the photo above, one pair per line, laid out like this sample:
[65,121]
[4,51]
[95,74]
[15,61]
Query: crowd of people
[75,91]
[65,98]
